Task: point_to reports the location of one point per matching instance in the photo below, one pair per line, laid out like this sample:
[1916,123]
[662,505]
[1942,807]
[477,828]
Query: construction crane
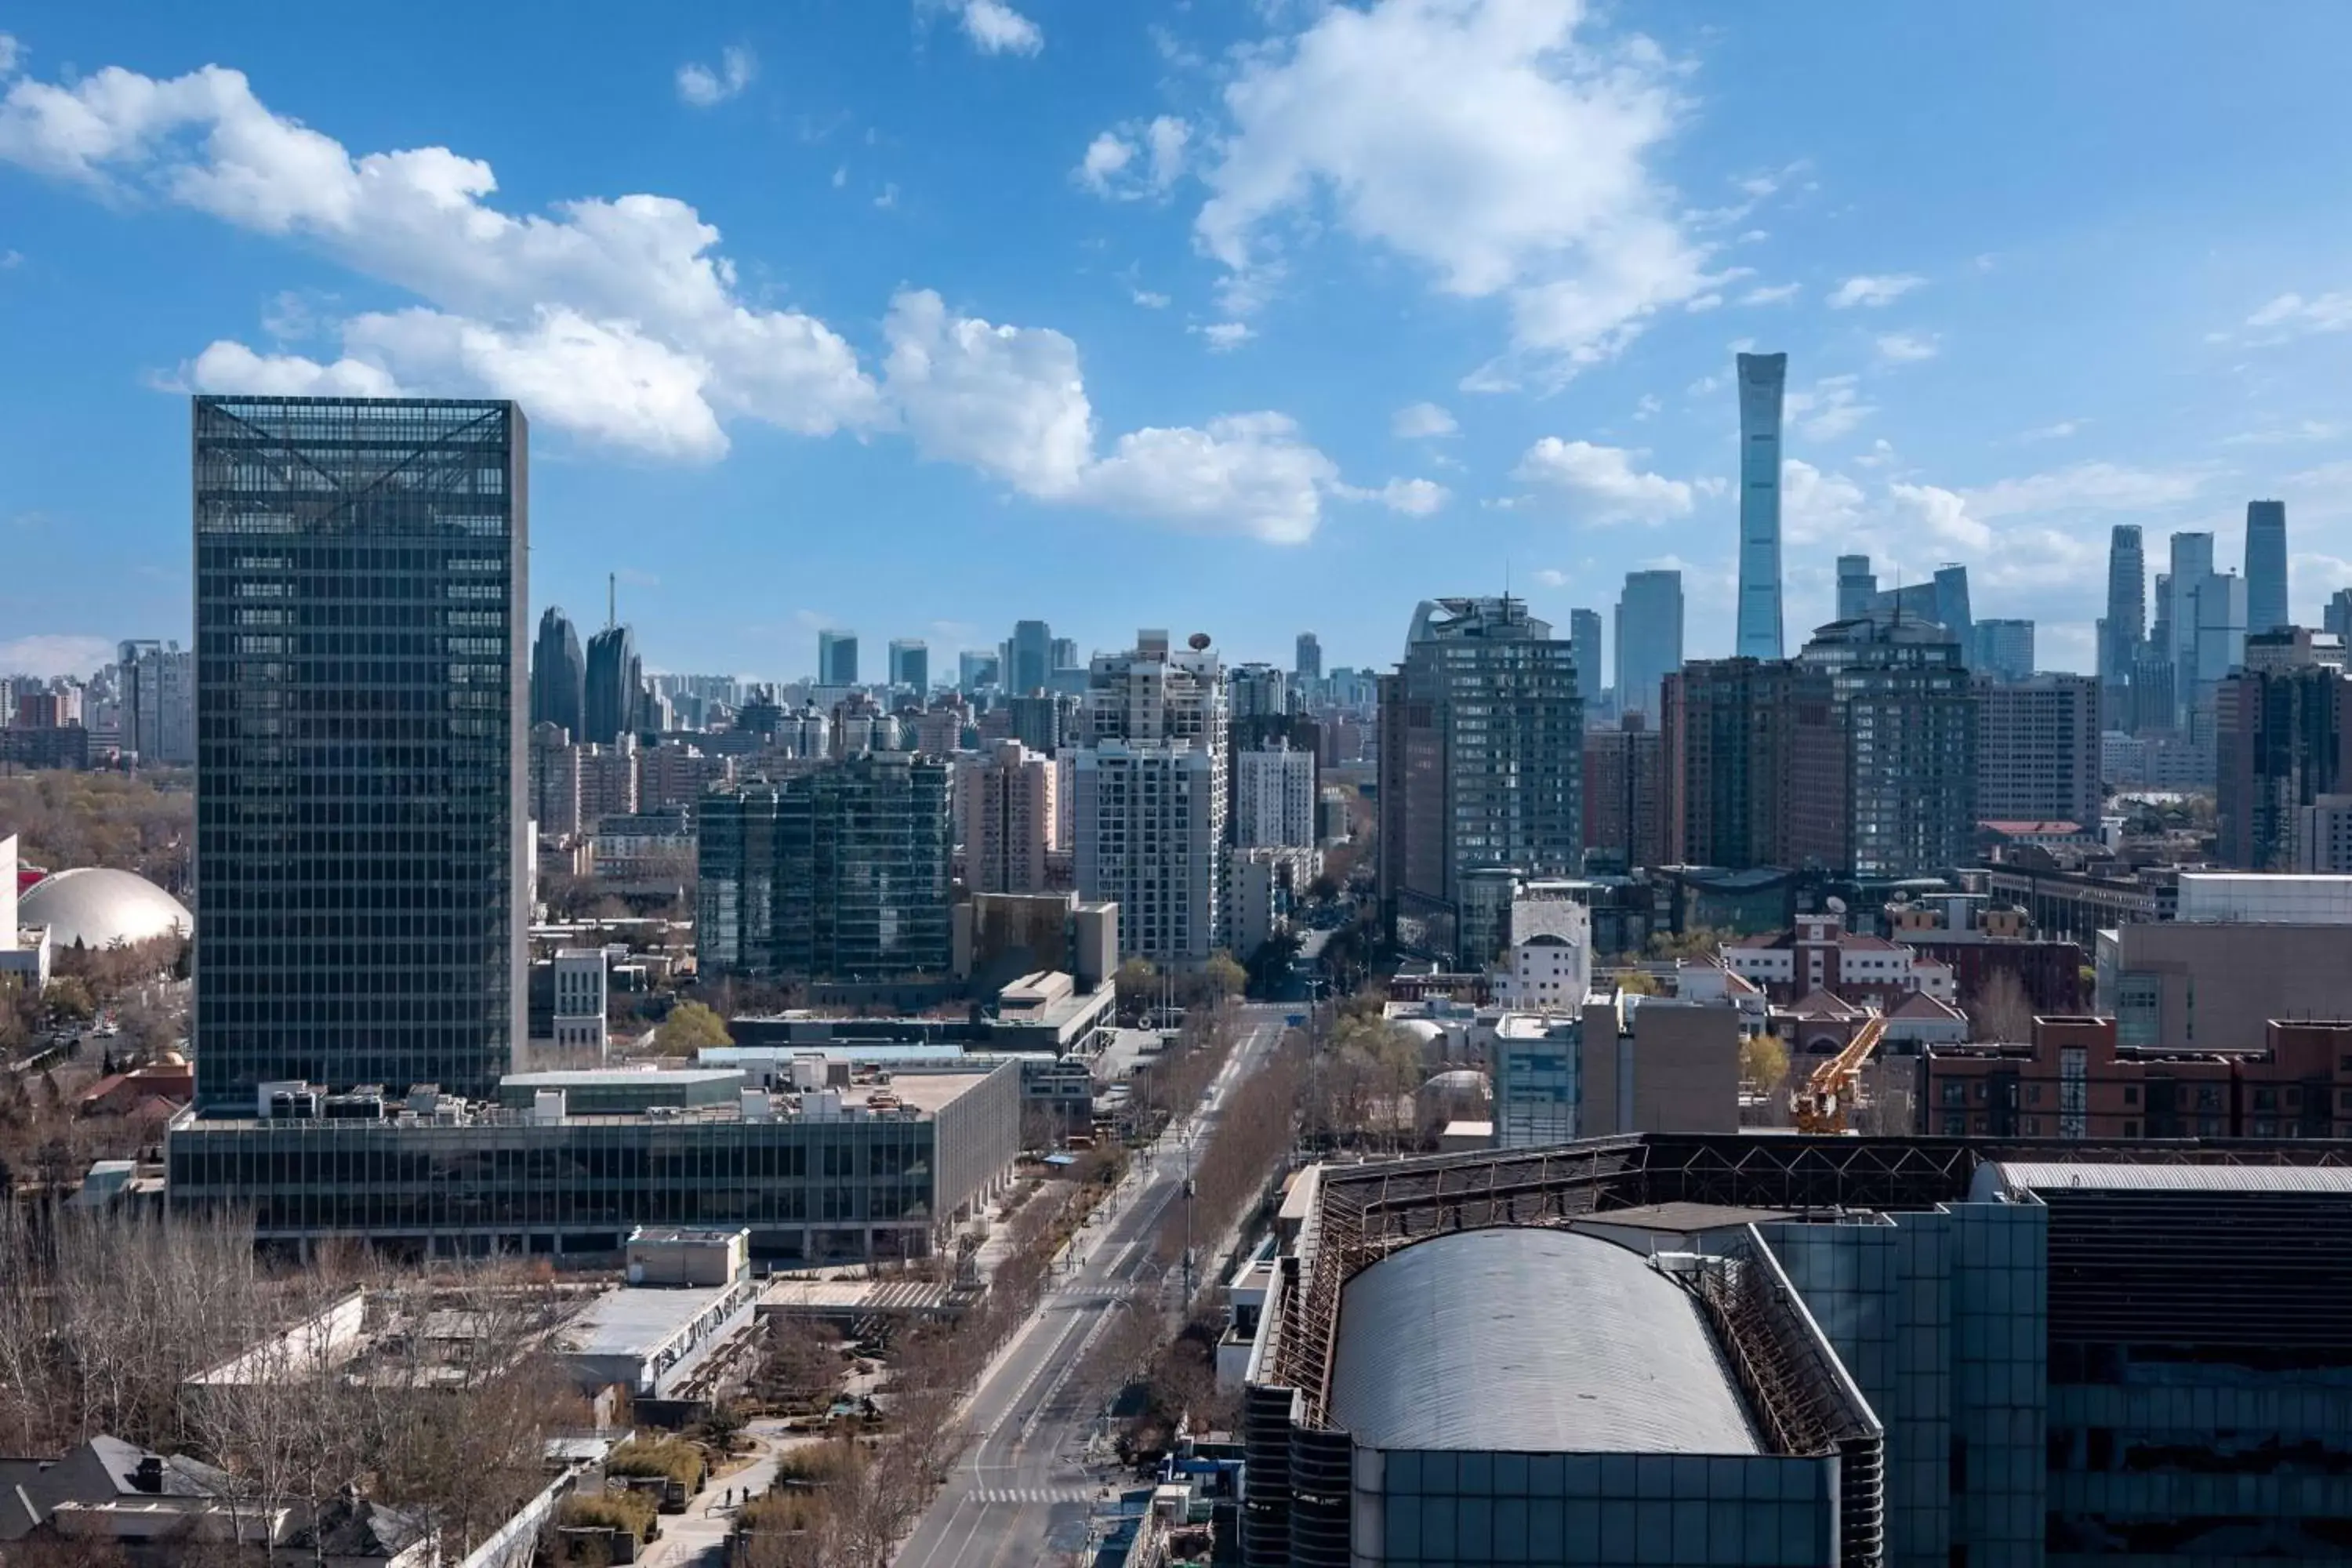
[1821,1105]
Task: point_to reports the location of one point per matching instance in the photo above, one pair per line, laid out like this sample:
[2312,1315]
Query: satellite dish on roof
[1198,642]
[1837,906]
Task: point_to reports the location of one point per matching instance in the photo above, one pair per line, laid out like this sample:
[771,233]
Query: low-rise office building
[871,1171]
[2214,985]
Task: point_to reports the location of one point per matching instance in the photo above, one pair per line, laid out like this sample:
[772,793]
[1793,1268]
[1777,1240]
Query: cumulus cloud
[1498,143]
[1224,337]
[232,367]
[1871,292]
[1772,294]
[702,86]
[1413,498]
[1011,402]
[1602,483]
[617,320]
[53,655]
[1135,160]
[1818,507]
[2054,432]
[994,27]
[1422,421]
[10,52]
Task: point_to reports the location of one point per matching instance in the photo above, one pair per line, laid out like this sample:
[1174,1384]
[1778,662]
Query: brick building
[2074,1081]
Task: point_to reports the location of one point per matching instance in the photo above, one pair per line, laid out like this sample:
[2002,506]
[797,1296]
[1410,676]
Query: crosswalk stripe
[1015,1495]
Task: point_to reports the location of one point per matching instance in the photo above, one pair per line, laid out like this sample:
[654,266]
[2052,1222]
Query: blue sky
[919,318]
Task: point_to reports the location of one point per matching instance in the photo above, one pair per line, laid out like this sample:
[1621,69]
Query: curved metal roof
[1530,1341]
[97,908]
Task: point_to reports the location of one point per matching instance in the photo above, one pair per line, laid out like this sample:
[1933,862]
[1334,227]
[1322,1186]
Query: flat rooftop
[929,1092]
[620,1077]
[637,1320]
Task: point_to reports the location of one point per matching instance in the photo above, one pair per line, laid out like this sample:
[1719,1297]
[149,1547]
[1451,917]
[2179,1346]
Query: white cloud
[53,655]
[2296,315]
[1552,577]
[1871,292]
[1773,294]
[1937,514]
[1135,160]
[1603,482]
[1490,141]
[1225,336]
[703,86]
[10,53]
[888,196]
[233,367]
[1817,507]
[1150,300]
[840,176]
[634,267]
[2088,487]
[996,29]
[2057,432]
[1421,421]
[1906,348]
[1413,498]
[1831,408]
[1011,401]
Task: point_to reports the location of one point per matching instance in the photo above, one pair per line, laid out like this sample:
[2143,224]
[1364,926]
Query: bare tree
[2001,1012]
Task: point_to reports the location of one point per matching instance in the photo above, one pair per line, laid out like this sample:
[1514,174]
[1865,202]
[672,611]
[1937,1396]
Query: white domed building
[96,907]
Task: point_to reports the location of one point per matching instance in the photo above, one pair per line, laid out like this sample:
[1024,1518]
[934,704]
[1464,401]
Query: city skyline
[1983,394]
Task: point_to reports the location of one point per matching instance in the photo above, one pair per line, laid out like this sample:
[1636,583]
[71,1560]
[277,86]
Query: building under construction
[1760,1350]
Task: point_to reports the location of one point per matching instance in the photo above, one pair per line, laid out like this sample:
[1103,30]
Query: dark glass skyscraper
[1649,638]
[360,594]
[2126,619]
[910,666]
[559,675]
[1029,657]
[615,699]
[2266,596]
[841,874]
[1762,380]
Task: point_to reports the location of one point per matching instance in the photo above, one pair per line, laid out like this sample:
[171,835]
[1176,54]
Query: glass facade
[806,1187]
[1441,1509]
[360,588]
[840,874]
[1762,380]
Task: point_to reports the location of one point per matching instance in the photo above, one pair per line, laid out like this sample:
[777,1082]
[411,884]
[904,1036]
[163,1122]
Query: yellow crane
[1821,1105]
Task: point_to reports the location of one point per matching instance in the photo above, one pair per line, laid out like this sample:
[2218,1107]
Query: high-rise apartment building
[2282,743]
[1029,657]
[156,686]
[2038,749]
[1154,733]
[975,669]
[1763,378]
[1006,808]
[840,874]
[1043,721]
[1857,586]
[613,691]
[1725,744]
[1308,664]
[2125,623]
[1481,752]
[2266,568]
[1065,655]
[1649,637]
[1624,793]
[1275,791]
[2004,649]
[910,666]
[1589,649]
[1259,691]
[361,587]
[1883,778]
[559,674]
[1150,827]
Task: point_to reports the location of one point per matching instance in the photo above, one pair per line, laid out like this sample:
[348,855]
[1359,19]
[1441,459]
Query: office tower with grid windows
[361,587]
[910,666]
[1649,638]
[2266,581]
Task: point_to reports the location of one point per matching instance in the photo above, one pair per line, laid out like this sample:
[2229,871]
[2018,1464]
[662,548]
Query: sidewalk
[698,1536]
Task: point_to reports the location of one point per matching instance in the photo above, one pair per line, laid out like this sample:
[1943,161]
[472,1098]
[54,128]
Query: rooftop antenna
[612,599]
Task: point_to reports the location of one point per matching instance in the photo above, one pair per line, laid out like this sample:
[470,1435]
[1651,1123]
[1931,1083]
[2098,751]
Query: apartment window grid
[359,579]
